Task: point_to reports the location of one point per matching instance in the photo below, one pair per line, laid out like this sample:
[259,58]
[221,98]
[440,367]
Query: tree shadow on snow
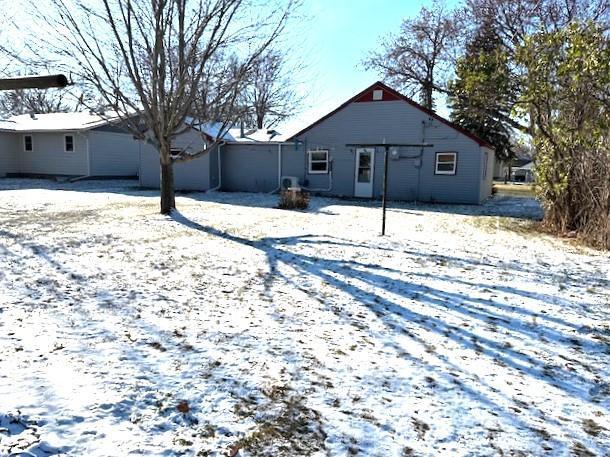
[397,303]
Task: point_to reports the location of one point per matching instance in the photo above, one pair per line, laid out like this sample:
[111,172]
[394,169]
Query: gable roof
[53,122]
[366,96]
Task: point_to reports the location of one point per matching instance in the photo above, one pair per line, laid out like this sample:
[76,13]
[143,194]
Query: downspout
[421,159]
[218,148]
[88,175]
[140,163]
[279,169]
[88,155]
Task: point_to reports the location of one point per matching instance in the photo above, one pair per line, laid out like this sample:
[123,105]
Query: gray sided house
[67,144]
[442,162]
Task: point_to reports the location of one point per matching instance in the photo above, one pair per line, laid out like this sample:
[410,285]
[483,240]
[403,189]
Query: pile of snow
[237,328]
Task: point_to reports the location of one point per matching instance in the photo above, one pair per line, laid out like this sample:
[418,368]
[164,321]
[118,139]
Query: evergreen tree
[483,92]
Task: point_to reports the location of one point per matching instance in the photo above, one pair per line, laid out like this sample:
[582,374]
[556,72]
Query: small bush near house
[293,199]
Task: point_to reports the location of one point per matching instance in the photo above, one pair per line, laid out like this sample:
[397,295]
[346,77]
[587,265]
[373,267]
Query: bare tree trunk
[168,196]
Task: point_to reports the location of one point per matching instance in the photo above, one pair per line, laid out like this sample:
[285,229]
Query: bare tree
[419,57]
[270,96]
[25,101]
[152,61]
[515,20]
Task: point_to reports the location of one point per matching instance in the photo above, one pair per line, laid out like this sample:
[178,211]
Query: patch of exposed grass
[514,190]
[591,427]
[285,427]
[579,450]
[525,227]
[420,427]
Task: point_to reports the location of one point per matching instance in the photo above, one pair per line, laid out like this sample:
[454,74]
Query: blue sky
[332,42]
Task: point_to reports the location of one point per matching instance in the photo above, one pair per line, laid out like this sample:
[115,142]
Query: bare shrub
[293,199]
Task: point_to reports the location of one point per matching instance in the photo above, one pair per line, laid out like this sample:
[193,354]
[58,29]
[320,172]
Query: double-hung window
[318,161]
[446,163]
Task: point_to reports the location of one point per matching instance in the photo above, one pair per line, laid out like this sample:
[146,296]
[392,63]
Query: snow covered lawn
[235,328]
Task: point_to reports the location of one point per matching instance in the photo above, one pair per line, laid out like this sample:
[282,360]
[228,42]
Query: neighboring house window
[318,162]
[485,162]
[69,143]
[28,144]
[446,163]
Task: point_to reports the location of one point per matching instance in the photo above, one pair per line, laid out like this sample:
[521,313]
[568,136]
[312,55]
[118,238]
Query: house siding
[253,167]
[191,175]
[113,154]
[8,153]
[48,156]
[249,167]
[398,122]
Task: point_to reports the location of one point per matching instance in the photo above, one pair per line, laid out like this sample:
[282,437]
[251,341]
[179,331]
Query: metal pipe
[34,82]
[385,188]
[219,169]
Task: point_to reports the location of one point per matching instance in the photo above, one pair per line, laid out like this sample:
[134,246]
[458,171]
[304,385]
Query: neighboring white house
[523,172]
[67,144]
[520,170]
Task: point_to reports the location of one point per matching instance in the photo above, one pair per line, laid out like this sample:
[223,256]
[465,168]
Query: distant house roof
[523,165]
[56,122]
[366,96]
[520,163]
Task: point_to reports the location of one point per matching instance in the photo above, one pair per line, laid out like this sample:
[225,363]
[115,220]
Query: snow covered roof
[234,134]
[257,136]
[55,122]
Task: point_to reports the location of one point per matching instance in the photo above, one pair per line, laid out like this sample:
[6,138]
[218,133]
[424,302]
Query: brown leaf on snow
[233,451]
[183,407]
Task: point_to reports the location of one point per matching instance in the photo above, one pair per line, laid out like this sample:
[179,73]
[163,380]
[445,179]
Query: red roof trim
[380,85]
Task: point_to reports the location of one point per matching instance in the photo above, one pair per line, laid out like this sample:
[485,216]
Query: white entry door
[365,166]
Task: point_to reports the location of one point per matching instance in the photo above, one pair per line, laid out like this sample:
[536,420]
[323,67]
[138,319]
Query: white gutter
[88,175]
[219,170]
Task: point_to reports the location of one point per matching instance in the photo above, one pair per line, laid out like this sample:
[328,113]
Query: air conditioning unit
[290,182]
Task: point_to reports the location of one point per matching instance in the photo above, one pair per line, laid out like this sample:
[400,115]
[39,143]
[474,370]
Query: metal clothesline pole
[385,188]
[386,147]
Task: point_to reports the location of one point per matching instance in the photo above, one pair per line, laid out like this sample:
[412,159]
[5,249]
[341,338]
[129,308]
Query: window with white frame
[318,161]
[28,143]
[446,163]
[69,143]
